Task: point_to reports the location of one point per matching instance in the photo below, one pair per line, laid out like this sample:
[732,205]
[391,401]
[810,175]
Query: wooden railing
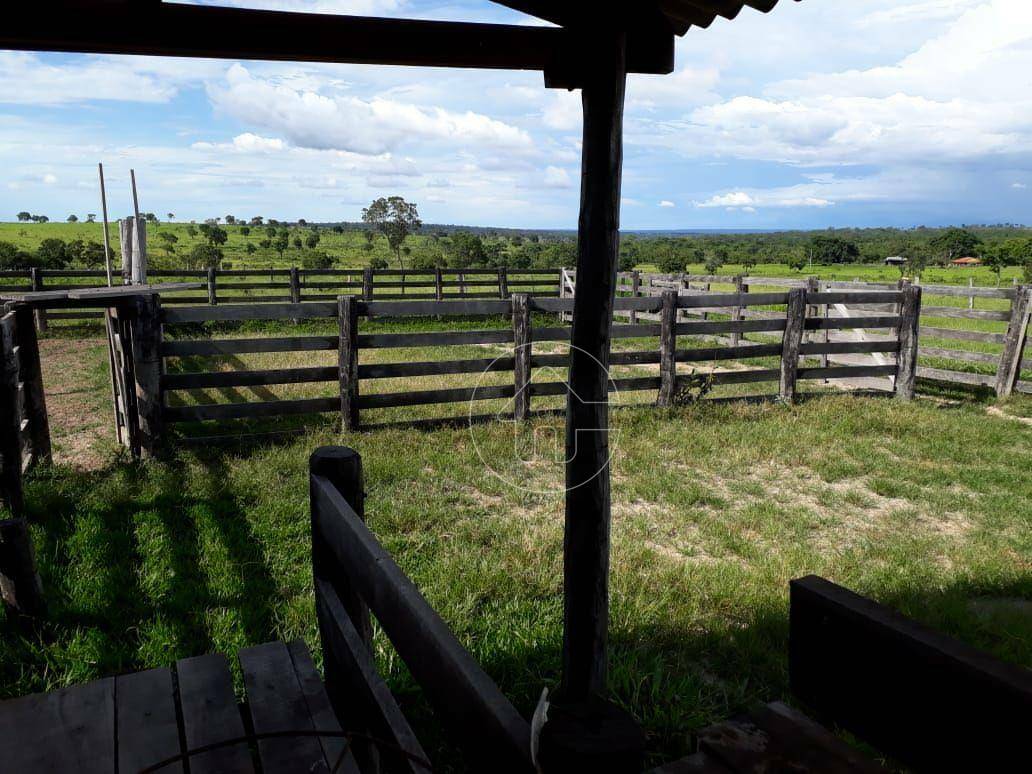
[798,331]
[355,576]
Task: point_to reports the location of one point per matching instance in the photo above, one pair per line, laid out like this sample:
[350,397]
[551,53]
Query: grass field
[925,506]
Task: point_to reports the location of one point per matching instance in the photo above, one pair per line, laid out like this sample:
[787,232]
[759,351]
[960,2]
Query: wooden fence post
[438,285]
[503,282]
[295,286]
[213,298]
[667,349]
[1014,342]
[795,323]
[736,310]
[37,287]
[635,292]
[521,355]
[909,326]
[30,373]
[145,328]
[20,585]
[10,418]
[347,361]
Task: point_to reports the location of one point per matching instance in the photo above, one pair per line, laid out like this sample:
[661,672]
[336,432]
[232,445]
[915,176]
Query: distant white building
[895,260]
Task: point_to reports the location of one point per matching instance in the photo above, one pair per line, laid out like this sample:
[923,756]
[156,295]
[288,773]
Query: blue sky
[821,113]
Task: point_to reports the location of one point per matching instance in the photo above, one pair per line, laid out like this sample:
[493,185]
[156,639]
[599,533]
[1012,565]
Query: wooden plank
[668,349]
[462,694]
[847,347]
[347,362]
[967,292]
[429,308]
[854,298]
[148,731]
[1014,343]
[928,331]
[204,379]
[722,300]
[729,326]
[434,368]
[71,729]
[742,352]
[146,368]
[369,701]
[846,372]
[189,348]
[210,715]
[205,411]
[903,687]
[276,703]
[960,377]
[427,397]
[852,323]
[965,314]
[745,377]
[791,344]
[250,311]
[959,354]
[335,749]
[433,339]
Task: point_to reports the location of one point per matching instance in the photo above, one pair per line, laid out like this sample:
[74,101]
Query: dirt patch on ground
[998,412]
[78,401]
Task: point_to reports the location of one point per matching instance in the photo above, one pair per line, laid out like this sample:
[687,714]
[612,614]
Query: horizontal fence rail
[798,336]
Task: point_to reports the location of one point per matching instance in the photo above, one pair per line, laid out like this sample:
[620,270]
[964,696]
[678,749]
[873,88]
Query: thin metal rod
[103,209]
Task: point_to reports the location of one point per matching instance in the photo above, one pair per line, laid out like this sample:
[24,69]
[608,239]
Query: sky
[821,113]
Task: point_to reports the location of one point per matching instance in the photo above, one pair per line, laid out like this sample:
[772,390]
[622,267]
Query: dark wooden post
[367,284]
[1014,342]
[212,294]
[438,284]
[587,512]
[146,350]
[668,349]
[36,275]
[295,285]
[736,310]
[909,325]
[503,282]
[521,355]
[30,373]
[794,325]
[813,285]
[10,418]
[347,361]
[20,585]
[635,292]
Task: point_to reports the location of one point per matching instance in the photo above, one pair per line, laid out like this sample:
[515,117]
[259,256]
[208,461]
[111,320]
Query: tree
[312,240]
[24,216]
[250,249]
[280,244]
[713,263]
[377,263]
[298,242]
[171,216]
[73,218]
[302,222]
[829,249]
[316,259]
[467,250]
[955,243]
[91,217]
[150,217]
[265,244]
[395,218]
[257,220]
[230,220]
[92,254]
[796,261]
[216,236]
[170,240]
[667,259]
[52,254]
[748,263]
[191,230]
[245,231]
[205,256]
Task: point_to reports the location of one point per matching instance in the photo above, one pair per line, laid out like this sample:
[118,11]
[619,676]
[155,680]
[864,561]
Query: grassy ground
[925,506]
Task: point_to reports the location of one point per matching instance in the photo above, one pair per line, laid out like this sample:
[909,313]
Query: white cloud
[49,179]
[794,196]
[557,177]
[1019,186]
[563,111]
[372,126]
[666,203]
[734,199]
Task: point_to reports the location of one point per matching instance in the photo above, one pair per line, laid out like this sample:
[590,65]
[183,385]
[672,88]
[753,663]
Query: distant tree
[150,217]
[667,259]
[748,262]
[171,216]
[395,218]
[467,250]
[1027,270]
[316,259]
[302,222]
[250,249]
[191,230]
[312,240]
[284,232]
[39,218]
[280,244]
[245,231]
[91,217]
[216,236]
[955,243]
[298,242]
[378,263]
[205,256]
[73,218]
[796,261]
[24,216]
[996,258]
[265,244]
[12,257]
[53,254]
[713,263]
[628,261]
[270,232]
[257,220]
[830,249]
[170,240]
[230,220]
[92,254]
[369,236]
[368,246]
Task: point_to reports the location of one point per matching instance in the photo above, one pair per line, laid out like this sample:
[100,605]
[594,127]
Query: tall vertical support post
[1014,342]
[36,278]
[10,418]
[213,297]
[503,282]
[30,373]
[909,325]
[668,349]
[145,326]
[521,356]
[367,288]
[736,310]
[635,292]
[438,286]
[347,361]
[795,324]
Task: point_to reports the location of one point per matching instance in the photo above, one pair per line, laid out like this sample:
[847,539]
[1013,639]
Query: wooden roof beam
[168,29]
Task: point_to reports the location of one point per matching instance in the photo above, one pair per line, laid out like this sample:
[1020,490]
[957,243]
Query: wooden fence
[961,344]
[794,333]
[295,285]
[24,442]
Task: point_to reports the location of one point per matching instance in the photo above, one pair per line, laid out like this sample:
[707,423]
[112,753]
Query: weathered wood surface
[906,361]
[932,332]
[145,326]
[1014,343]
[961,377]
[902,687]
[965,314]
[668,349]
[521,355]
[10,418]
[462,695]
[147,729]
[20,585]
[347,362]
[792,343]
[210,715]
[204,411]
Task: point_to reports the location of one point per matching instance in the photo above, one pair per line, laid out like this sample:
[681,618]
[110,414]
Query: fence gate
[123,380]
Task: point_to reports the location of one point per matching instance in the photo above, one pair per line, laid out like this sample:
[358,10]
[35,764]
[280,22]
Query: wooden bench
[156,719]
